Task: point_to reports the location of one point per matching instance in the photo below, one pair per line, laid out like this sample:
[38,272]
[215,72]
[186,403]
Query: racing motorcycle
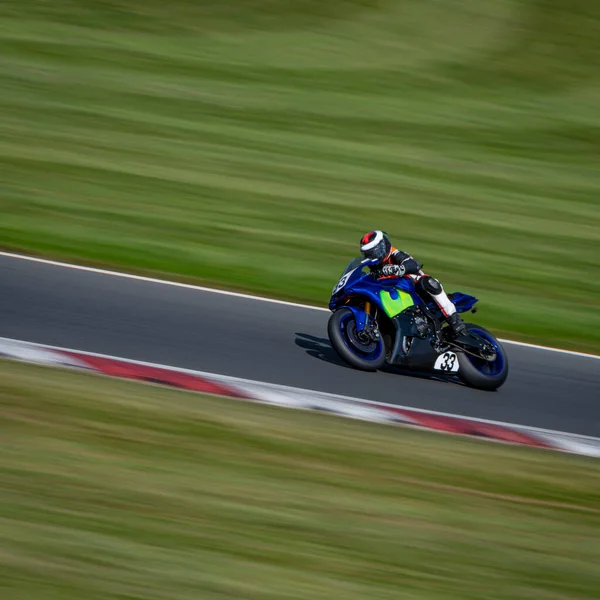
[378,321]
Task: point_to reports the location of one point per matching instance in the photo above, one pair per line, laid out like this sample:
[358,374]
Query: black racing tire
[479,374]
[339,329]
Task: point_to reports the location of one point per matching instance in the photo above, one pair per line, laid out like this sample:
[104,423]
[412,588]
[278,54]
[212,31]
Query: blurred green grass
[113,489]
[250,144]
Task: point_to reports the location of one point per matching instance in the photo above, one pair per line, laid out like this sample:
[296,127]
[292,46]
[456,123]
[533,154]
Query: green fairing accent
[395,307]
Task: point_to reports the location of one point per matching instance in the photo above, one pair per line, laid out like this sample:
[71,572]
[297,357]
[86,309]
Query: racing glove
[393,270]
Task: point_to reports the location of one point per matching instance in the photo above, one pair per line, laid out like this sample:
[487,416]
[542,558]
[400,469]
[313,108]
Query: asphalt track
[277,343]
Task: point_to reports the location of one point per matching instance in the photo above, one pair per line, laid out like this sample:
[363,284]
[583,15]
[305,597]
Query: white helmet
[376,245]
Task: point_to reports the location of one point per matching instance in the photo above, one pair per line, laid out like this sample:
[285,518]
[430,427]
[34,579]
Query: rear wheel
[360,352]
[479,373]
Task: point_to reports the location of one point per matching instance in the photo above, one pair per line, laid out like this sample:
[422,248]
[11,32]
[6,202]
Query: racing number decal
[341,284]
[447,362]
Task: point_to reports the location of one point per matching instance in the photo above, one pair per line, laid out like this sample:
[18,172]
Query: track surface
[270,342]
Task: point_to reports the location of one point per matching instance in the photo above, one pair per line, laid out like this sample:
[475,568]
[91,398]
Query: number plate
[341,283]
[447,362]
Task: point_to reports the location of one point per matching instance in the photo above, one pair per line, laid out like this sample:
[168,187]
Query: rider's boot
[459,329]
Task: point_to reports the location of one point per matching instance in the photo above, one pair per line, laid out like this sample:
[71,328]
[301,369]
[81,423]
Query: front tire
[341,329]
[479,373]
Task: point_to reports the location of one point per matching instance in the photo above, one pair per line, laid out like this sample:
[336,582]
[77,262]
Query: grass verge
[113,489]
[250,144]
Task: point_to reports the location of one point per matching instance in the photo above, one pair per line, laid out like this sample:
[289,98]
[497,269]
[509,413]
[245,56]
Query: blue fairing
[355,282]
[366,286]
[463,302]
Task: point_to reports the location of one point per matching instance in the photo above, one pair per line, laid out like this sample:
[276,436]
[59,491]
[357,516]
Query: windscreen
[354,263]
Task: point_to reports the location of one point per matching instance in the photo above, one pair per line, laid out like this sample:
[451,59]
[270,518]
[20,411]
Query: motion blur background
[249,144]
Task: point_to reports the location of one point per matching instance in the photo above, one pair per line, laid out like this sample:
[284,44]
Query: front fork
[370,332]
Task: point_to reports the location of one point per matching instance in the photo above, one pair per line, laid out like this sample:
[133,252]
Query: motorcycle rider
[376,245]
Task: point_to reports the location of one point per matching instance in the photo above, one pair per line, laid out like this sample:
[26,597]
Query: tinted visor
[379,252]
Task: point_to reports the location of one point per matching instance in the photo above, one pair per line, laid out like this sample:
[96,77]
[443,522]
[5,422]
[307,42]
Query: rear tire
[341,329]
[481,374]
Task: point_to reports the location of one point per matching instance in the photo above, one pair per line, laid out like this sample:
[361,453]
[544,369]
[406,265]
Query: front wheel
[366,355]
[479,373]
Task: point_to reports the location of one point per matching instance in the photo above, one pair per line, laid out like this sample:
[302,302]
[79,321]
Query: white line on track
[178,284]
[286,388]
[200,288]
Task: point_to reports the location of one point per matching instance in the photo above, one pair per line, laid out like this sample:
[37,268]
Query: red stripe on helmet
[368,238]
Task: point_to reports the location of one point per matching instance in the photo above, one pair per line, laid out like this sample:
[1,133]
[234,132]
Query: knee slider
[431,285]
